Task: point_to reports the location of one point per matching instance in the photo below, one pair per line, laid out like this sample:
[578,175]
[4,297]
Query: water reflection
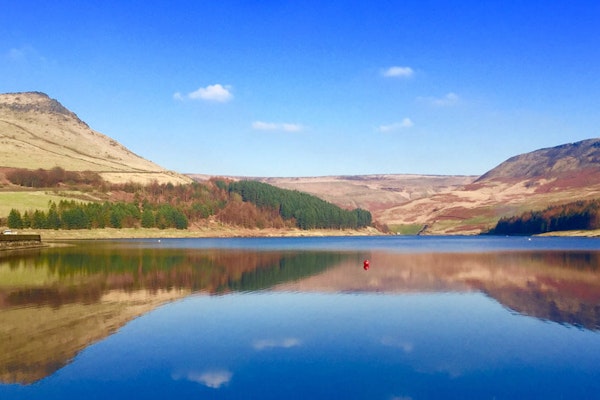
[561,286]
[83,274]
[55,302]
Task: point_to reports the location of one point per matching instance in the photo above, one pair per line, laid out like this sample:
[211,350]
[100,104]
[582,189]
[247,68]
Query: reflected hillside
[559,286]
[37,341]
[55,302]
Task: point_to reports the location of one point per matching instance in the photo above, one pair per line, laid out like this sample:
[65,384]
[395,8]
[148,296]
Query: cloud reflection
[405,345]
[286,343]
[212,378]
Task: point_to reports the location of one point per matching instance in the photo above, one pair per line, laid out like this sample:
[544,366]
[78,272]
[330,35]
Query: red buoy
[366,265]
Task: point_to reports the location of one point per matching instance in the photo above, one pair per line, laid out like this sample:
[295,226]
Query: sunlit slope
[465,204]
[38,132]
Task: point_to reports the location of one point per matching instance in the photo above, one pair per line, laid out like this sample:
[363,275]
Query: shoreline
[50,235]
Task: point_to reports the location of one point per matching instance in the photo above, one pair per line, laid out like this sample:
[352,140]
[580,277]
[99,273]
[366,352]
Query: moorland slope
[531,181]
[39,132]
[466,204]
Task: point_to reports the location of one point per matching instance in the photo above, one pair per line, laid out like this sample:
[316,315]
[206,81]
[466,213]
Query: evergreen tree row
[250,204]
[579,215]
[75,215]
[308,211]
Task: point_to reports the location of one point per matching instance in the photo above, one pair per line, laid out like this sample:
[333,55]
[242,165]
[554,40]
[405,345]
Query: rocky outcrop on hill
[36,102]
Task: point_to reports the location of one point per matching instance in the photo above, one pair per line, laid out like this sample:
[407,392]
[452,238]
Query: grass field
[407,229]
[30,200]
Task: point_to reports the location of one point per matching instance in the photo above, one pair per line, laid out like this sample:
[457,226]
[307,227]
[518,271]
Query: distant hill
[371,192]
[464,204]
[555,162]
[531,181]
[39,132]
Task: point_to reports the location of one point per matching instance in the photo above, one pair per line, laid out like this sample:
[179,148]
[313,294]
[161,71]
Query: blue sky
[311,88]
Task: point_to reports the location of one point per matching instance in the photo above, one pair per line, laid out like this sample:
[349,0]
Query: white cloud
[448,100]
[404,124]
[271,343]
[273,126]
[264,126]
[213,378]
[217,92]
[292,127]
[404,345]
[398,72]
[213,93]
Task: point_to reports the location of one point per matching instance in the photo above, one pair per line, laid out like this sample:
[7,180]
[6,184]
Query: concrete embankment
[12,241]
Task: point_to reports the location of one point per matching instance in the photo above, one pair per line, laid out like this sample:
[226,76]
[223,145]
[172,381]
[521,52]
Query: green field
[406,229]
[31,200]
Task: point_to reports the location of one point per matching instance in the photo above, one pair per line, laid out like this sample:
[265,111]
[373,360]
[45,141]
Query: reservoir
[273,318]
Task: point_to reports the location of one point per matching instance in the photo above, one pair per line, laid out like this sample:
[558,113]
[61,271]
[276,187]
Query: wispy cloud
[25,55]
[448,100]
[16,54]
[213,378]
[217,93]
[286,343]
[398,72]
[404,124]
[275,126]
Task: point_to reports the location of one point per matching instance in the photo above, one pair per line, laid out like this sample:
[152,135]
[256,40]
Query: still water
[433,317]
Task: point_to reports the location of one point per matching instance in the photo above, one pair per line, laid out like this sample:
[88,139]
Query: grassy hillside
[38,132]
[34,199]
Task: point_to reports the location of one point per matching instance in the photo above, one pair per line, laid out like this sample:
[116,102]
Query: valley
[37,132]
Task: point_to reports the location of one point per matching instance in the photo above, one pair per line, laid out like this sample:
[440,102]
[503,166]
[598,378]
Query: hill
[376,193]
[39,132]
[372,192]
[464,204]
[531,181]
[558,163]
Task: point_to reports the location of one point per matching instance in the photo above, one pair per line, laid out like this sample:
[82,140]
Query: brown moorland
[468,205]
[38,132]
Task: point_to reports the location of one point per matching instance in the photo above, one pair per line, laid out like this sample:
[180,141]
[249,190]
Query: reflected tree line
[558,286]
[84,276]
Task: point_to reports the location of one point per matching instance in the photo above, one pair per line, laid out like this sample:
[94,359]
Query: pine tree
[148,219]
[15,220]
